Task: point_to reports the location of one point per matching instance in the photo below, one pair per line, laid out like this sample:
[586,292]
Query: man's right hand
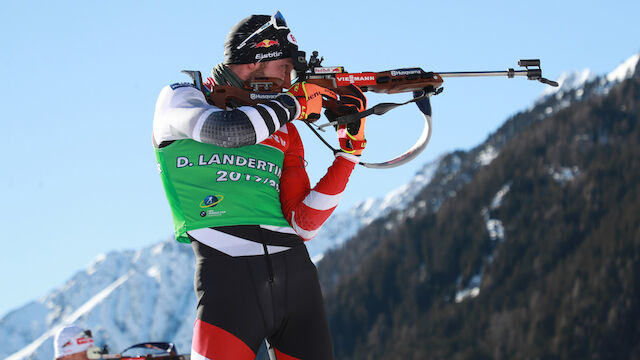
[309,97]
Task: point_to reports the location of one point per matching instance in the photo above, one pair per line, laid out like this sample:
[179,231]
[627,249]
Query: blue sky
[80,80]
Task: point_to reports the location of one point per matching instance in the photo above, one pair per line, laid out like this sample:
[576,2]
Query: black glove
[351,136]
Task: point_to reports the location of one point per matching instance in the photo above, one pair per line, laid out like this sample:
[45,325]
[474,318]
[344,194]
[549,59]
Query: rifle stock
[386,82]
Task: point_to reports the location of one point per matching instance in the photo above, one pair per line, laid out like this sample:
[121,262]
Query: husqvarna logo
[258,96]
[402,72]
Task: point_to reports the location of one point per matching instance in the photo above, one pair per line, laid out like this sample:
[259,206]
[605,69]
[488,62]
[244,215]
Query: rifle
[148,351]
[423,85]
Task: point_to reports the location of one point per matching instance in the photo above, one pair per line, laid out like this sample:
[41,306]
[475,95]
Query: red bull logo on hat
[266,43]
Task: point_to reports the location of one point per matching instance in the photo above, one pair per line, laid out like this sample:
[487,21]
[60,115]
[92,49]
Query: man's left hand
[351,135]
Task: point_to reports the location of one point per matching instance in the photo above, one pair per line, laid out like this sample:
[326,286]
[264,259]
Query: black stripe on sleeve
[264,113]
[277,108]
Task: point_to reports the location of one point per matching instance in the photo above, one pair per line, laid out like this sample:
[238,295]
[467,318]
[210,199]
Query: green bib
[209,186]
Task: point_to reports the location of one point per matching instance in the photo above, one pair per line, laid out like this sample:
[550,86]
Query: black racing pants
[243,300]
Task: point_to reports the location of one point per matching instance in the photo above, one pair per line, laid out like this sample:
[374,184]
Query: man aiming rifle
[235,179]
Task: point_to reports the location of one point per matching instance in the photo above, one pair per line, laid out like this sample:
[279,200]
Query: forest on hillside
[563,282]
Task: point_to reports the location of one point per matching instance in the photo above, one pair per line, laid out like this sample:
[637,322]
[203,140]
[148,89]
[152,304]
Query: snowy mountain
[123,297]
[147,295]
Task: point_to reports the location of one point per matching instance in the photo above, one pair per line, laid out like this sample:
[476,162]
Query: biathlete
[239,193]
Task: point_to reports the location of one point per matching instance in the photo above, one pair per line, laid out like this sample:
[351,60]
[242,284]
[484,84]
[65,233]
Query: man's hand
[309,97]
[350,136]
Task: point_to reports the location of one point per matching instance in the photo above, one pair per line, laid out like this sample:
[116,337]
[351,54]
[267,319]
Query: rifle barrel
[510,73]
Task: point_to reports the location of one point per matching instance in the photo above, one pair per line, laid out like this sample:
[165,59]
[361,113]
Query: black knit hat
[245,46]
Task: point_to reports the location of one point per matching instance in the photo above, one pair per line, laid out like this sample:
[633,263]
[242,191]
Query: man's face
[280,69]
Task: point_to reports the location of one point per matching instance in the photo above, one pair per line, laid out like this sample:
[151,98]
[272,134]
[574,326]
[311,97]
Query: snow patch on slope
[563,174]
[624,70]
[496,232]
[569,81]
[471,290]
[486,155]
